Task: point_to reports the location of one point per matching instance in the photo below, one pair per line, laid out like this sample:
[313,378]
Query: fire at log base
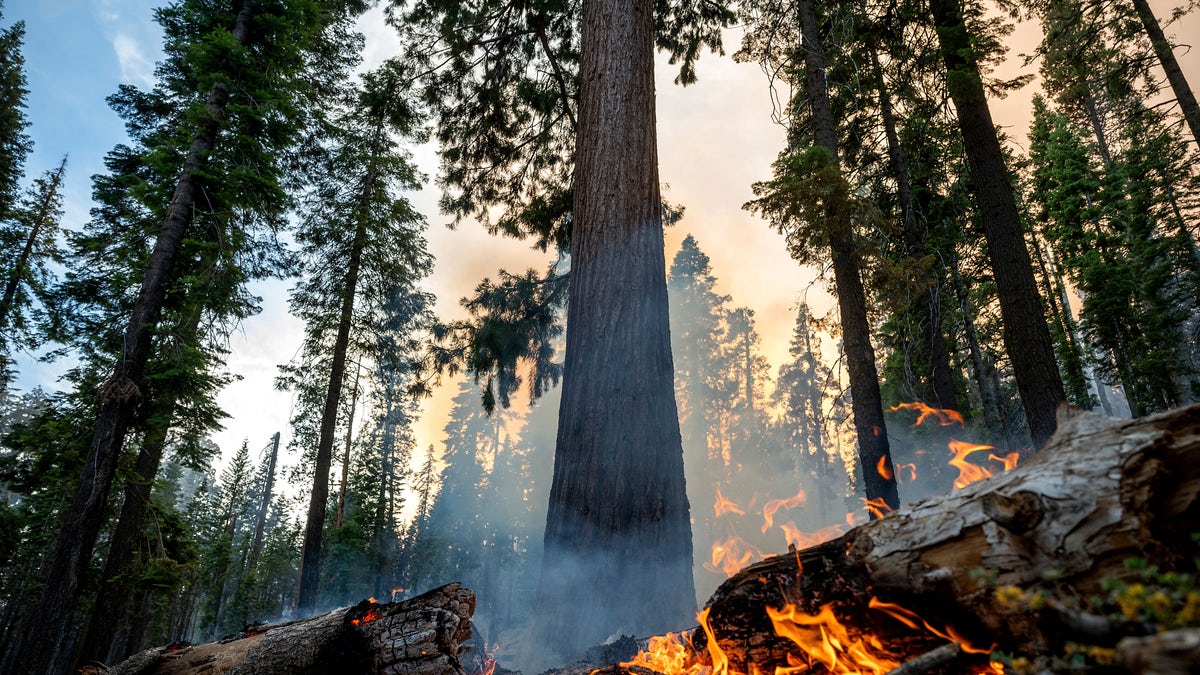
[1103,491]
[424,635]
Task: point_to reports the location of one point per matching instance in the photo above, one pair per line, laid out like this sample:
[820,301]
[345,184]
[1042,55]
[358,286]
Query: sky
[715,139]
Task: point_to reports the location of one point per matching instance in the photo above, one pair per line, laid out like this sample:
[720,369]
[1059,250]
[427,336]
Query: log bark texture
[424,635]
[1104,490]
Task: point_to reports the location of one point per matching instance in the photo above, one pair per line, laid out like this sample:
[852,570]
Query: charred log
[424,635]
[1103,491]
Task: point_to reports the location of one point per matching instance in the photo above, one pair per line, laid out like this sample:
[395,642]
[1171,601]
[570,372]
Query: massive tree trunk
[421,636]
[874,451]
[1166,57]
[43,646]
[618,543]
[1026,335]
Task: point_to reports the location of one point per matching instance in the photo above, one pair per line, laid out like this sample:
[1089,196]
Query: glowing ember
[825,641]
[911,468]
[967,472]
[372,614]
[723,506]
[732,555]
[943,417]
[877,506]
[775,504]
[884,470]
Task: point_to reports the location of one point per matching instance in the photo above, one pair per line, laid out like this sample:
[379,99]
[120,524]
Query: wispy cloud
[136,67]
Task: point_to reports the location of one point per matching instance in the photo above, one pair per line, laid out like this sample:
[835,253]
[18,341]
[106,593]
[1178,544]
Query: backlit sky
[715,139]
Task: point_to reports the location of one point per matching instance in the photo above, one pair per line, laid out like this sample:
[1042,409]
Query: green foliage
[512,322]
[15,144]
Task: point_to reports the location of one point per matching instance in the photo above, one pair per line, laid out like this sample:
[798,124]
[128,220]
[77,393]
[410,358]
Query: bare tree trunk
[1026,336]
[991,405]
[874,451]
[264,507]
[341,503]
[43,649]
[618,539]
[1170,65]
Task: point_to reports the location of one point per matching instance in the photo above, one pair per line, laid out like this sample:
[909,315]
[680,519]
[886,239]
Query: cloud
[136,67]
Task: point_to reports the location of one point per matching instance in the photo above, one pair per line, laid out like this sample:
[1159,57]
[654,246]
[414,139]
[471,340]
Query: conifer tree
[360,236]
[15,144]
[1026,335]
[33,227]
[214,155]
[812,203]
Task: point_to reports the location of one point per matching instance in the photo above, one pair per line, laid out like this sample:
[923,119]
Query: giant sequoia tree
[567,153]
[618,541]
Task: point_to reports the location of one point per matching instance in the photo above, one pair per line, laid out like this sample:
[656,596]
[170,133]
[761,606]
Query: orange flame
[723,506]
[774,505]
[674,654]
[1009,461]
[371,615]
[884,470]
[877,506]
[808,539]
[731,555]
[967,472]
[944,417]
[824,640]
[912,620]
[912,470]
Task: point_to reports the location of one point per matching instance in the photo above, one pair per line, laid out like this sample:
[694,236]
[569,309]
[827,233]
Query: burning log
[1101,492]
[424,635]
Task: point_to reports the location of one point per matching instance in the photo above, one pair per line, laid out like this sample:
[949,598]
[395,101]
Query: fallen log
[1102,491]
[424,635]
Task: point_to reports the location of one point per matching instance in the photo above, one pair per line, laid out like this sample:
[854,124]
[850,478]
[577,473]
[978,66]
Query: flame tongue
[825,641]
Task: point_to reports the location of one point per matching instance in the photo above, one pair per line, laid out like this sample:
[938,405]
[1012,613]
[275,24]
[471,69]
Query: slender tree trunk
[1166,57]
[111,610]
[341,503]
[264,506]
[874,451]
[310,558]
[1026,336]
[21,266]
[43,649]
[618,540]
[928,307]
[991,406]
[1076,380]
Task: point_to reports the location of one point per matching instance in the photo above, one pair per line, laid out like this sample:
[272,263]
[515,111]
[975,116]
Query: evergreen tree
[522,96]
[359,235]
[1026,335]
[15,144]
[812,203]
[34,227]
[214,154]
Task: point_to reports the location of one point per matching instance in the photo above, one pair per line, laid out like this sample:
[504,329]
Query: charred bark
[421,636]
[1026,335]
[618,539]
